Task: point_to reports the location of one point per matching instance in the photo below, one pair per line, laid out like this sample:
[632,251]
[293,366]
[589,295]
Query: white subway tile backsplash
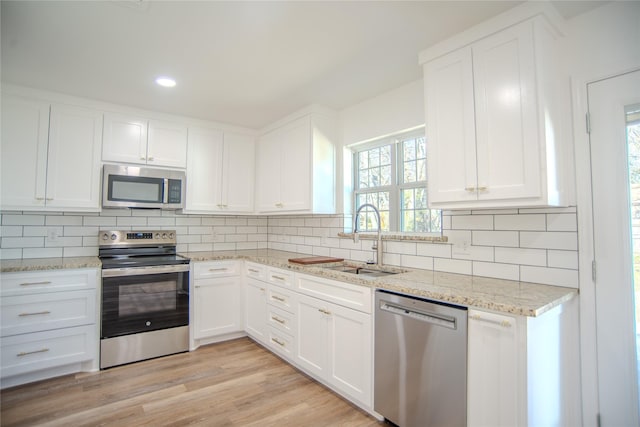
[534,222]
[404,248]
[452,265]
[472,222]
[495,270]
[549,276]
[494,238]
[440,250]
[22,242]
[537,244]
[549,240]
[17,219]
[42,252]
[562,259]
[562,222]
[131,221]
[68,220]
[521,256]
[11,231]
[413,261]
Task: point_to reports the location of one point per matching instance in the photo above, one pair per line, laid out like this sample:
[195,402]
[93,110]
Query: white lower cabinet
[217,301]
[523,371]
[334,345]
[256,310]
[49,324]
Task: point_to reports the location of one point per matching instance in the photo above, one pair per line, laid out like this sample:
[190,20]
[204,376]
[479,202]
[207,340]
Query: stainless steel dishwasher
[420,361]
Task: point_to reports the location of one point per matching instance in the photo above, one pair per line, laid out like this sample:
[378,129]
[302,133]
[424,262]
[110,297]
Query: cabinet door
[204,170]
[218,307]
[167,144]
[73,171]
[124,139]
[312,353]
[238,173]
[256,310]
[295,170]
[450,128]
[350,349]
[493,386]
[508,144]
[268,172]
[25,127]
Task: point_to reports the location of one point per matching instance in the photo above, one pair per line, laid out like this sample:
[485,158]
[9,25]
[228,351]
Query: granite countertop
[507,296]
[16,265]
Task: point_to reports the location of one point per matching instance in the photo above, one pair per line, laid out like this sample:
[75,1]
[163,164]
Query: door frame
[584,202]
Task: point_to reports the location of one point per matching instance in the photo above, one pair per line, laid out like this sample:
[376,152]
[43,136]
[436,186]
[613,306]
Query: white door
[295,187]
[124,139]
[610,102]
[167,144]
[204,170]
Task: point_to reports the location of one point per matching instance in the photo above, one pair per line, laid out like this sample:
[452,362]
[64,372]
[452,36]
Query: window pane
[385,155]
[421,166]
[385,175]
[409,149]
[408,221]
[407,199]
[421,148]
[383,200]
[364,178]
[363,160]
[384,219]
[409,172]
[420,198]
[374,177]
[374,157]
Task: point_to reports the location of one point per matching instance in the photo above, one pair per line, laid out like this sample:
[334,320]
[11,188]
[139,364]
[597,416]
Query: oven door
[144,299]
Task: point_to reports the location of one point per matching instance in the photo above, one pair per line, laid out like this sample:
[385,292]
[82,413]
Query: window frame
[395,189]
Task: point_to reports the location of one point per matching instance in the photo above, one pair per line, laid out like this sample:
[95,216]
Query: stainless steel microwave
[142,187]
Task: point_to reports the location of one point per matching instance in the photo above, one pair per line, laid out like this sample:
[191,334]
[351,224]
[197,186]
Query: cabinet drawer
[281,343]
[205,270]
[345,294]
[256,271]
[280,277]
[43,350]
[50,281]
[282,298]
[42,312]
[281,320]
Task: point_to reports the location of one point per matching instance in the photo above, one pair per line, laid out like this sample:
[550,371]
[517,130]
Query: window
[391,174]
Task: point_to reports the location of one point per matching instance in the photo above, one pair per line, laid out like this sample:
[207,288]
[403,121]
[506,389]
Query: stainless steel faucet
[377,245]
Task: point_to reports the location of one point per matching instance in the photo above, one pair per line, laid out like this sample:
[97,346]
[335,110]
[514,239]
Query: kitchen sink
[363,271]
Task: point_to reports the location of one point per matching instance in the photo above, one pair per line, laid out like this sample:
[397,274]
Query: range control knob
[171,235]
[105,236]
[157,235]
[164,235]
[114,236]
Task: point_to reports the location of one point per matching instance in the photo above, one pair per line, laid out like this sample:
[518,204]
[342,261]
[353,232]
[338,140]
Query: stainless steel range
[145,296]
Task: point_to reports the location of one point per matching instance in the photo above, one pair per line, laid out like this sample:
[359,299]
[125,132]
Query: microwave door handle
[165,193]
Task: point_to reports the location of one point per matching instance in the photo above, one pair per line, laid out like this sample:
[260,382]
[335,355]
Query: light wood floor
[235,383]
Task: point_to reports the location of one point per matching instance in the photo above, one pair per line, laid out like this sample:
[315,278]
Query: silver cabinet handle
[482,188]
[253,270]
[49,198]
[277,341]
[503,323]
[279,205]
[150,159]
[323,311]
[143,158]
[277,319]
[26,353]
[278,277]
[47,282]
[277,298]
[39,198]
[34,314]
[218,269]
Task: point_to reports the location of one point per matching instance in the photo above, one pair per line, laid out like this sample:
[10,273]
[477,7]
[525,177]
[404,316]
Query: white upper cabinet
[296,167]
[50,156]
[220,172]
[494,121]
[132,139]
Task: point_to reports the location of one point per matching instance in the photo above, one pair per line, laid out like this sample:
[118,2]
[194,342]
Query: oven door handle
[137,271]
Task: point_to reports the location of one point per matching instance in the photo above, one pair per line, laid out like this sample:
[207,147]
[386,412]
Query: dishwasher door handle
[424,316]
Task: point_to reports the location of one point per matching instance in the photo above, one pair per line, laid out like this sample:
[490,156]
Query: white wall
[385,114]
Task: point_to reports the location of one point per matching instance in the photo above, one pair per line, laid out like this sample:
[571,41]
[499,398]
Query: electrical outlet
[52,235]
[461,249]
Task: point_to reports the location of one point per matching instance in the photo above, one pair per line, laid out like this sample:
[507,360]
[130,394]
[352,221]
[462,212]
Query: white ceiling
[239,62]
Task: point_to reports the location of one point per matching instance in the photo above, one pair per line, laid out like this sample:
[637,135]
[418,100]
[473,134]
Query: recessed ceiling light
[166,81]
